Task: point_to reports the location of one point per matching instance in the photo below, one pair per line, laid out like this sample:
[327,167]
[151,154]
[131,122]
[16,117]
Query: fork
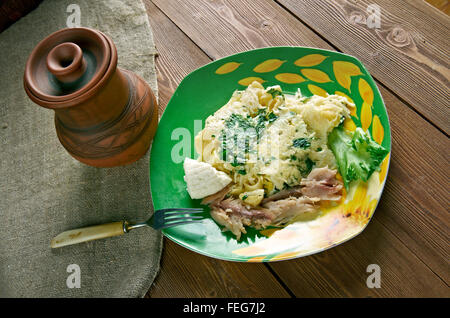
[161,219]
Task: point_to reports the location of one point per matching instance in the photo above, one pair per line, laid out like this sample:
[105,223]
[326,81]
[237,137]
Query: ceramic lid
[68,64]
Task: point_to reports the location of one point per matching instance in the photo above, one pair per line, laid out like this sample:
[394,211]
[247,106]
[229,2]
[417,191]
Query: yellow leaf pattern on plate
[227,68]
[249,251]
[248,80]
[282,256]
[343,71]
[362,206]
[344,95]
[347,68]
[316,90]
[349,124]
[268,66]
[310,60]
[344,80]
[315,75]
[256,259]
[352,109]
[366,116]
[384,167]
[289,78]
[365,91]
[268,232]
[377,130]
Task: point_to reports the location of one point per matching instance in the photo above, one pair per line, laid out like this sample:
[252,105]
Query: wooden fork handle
[89,234]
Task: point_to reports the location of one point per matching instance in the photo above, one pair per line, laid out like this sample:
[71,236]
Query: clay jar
[104,116]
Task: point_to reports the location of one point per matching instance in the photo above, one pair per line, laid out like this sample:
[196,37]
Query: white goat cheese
[202,179]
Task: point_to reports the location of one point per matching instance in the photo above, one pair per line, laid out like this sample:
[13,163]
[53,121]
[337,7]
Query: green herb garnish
[240,134]
[274,92]
[309,165]
[272,117]
[302,143]
[286,185]
[237,121]
[305,100]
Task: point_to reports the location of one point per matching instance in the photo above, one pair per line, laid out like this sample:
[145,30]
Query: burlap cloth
[44,191]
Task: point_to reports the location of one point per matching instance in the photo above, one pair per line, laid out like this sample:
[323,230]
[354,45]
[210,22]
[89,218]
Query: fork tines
[179,211]
[165,218]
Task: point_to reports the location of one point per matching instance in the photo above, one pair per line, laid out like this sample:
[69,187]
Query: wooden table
[409,58]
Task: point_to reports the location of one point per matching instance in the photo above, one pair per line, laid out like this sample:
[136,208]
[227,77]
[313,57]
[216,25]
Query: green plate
[207,89]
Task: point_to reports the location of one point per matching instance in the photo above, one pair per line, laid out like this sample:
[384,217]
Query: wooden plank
[442,5]
[343,271]
[184,273]
[409,53]
[414,207]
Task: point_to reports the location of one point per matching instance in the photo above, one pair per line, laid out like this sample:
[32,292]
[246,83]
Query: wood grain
[413,211]
[185,273]
[342,271]
[188,274]
[442,5]
[408,53]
